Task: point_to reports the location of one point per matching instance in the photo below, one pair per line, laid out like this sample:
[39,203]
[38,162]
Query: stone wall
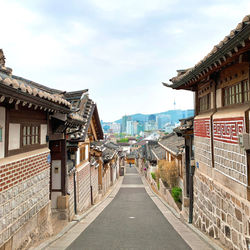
[202,152]
[24,193]
[220,213]
[202,141]
[83,187]
[106,180]
[230,159]
[94,182]
[71,208]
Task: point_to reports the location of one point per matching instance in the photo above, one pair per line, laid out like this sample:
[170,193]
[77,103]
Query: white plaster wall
[218,98]
[56,174]
[44,130]
[78,156]
[54,196]
[2,125]
[212,100]
[86,152]
[14,136]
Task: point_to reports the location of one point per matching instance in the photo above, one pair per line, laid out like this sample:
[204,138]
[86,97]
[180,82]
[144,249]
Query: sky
[121,50]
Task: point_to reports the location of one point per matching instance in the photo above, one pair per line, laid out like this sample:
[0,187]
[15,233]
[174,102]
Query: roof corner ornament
[2,58]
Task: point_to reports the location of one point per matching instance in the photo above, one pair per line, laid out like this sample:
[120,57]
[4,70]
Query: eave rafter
[14,96]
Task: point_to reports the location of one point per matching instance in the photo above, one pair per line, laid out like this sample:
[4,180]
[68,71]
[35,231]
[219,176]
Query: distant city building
[159,122]
[151,125]
[140,128]
[135,124]
[131,127]
[125,119]
[115,127]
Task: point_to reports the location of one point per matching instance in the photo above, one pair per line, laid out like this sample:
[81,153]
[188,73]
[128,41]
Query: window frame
[30,135]
[1,134]
[82,153]
[235,94]
[27,148]
[204,102]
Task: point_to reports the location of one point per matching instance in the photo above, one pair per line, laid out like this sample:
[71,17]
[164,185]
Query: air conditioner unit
[244,140]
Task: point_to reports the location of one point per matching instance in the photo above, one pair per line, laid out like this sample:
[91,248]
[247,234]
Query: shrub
[153,176]
[176,193]
[168,172]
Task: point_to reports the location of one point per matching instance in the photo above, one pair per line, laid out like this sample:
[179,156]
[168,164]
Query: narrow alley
[131,221]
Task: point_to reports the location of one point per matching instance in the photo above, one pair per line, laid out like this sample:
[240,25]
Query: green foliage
[176,193]
[158,185]
[153,176]
[123,140]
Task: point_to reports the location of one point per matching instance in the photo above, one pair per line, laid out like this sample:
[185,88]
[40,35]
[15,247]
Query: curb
[73,223]
[201,235]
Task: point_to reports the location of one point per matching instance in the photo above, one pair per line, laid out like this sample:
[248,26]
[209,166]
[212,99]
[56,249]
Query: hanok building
[82,181]
[221,85]
[25,128]
[185,130]
[109,155]
[173,146]
[150,158]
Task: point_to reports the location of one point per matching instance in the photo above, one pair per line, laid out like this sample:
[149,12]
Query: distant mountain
[171,116]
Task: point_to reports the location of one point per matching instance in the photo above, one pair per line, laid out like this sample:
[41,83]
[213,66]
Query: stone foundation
[24,200]
[83,188]
[220,213]
[94,182]
[230,159]
[36,228]
[71,208]
[203,152]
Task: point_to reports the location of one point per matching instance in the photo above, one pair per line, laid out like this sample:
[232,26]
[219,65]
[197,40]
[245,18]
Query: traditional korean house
[221,85]
[173,146]
[26,110]
[158,152]
[116,159]
[96,149]
[83,175]
[150,158]
[140,159]
[185,130]
[110,155]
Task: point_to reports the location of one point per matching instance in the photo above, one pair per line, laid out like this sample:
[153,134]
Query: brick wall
[231,160]
[18,171]
[83,188]
[94,181]
[24,186]
[203,150]
[106,180]
[71,197]
[221,213]
[202,141]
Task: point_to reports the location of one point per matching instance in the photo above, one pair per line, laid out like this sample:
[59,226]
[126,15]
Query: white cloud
[132,8]
[121,50]
[228,10]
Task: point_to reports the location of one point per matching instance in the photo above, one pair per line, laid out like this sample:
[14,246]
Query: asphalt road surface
[131,221]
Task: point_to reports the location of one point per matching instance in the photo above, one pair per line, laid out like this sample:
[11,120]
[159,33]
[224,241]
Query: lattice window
[82,153]
[204,103]
[1,134]
[30,135]
[246,91]
[237,93]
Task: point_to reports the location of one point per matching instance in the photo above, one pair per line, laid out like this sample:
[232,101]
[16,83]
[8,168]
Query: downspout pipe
[191,190]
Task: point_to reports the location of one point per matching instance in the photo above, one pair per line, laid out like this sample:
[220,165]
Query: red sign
[202,127]
[228,129]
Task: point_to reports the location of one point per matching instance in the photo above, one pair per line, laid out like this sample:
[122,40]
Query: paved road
[130,221]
